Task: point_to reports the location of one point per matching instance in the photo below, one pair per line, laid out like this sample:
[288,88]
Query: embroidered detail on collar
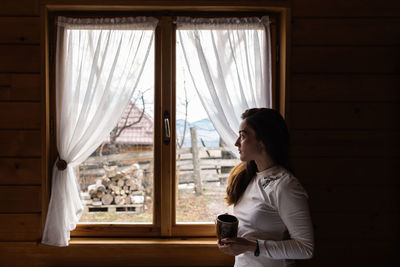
[269,179]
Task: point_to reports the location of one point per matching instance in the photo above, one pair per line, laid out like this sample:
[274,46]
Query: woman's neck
[264,163]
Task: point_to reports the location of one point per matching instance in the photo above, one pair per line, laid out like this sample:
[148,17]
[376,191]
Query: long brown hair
[269,127]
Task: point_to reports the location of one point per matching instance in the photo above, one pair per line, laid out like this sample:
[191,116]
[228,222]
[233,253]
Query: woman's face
[249,147]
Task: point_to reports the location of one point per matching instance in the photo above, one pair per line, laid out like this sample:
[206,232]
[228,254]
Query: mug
[226,226]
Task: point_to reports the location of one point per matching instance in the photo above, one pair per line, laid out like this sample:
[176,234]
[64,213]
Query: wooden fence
[213,165]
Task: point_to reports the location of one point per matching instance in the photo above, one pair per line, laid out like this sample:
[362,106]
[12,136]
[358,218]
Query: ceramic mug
[226,226]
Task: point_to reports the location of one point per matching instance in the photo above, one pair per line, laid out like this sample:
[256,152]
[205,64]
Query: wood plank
[153,241]
[345,143]
[20,115]
[352,199]
[352,252]
[20,199]
[350,8]
[20,143]
[17,171]
[345,88]
[346,31]
[20,7]
[368,226]
[20,58]
[20,30]
[118,230]
[112,255]
[346,171]
[20,87]
[339,116]
[346,59]
[20,227]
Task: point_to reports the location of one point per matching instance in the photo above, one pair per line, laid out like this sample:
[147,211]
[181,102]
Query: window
[149,177]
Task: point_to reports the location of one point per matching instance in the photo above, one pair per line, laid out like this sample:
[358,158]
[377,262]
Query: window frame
[164,223]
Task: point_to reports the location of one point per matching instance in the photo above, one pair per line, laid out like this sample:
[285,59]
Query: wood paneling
[19,8]
[345,143]
[19,87]
[346,31]
[345,8]
[346,171]
[352,252]
[20,171]
[345,96]
[20,227]
[353,199]
[20,143]
[339,59]
[17,30]
[368,226]
[20,199]
[20,115]
[112,255]
[20,58]
[350,116]
[345,88]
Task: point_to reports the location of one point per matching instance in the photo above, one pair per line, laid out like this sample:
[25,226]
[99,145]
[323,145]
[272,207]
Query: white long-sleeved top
[274,210]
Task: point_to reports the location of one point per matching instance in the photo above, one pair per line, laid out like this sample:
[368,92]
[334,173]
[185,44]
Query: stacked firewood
[117,187]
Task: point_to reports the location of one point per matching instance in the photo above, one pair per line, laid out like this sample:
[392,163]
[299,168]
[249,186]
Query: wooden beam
[115,254]
[349,116]
[19,87]
[343,170]
[20,143]
[353,199]
[334,143]
[20,199]
[20,58]
[19,8]
[346,59]
[367,226]
[346,31]
[345,88]
[349,8]
[20,227]
[19,30]
[19,115]
[20,171]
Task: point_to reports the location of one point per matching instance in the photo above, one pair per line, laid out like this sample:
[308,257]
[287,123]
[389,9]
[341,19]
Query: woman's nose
[237,142]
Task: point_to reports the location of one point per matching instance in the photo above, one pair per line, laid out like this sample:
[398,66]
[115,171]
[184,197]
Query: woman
[274,220]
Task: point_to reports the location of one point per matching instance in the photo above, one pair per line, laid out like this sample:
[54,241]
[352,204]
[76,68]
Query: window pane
[117,179]
[202,162]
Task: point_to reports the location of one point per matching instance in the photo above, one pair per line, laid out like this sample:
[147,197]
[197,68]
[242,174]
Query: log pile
[116,187]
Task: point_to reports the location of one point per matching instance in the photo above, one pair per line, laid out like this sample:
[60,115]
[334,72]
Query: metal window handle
[167,128]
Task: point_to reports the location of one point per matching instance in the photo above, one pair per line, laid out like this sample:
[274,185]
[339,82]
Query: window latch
[167,128]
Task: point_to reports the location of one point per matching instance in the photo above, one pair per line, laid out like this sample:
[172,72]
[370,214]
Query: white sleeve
[292,205]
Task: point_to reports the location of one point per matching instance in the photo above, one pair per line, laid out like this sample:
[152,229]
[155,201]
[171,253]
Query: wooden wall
[344,117]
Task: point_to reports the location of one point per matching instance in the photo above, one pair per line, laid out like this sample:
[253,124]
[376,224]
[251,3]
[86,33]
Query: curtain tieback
[61,164]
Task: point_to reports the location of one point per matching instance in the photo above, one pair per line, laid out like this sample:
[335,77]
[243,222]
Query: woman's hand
[236,246]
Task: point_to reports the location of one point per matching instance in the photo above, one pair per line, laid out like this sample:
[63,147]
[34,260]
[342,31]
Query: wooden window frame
[164,224]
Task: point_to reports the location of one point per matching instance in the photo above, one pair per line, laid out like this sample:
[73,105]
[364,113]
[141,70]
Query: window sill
[178,252]
[176,242]
[150,251]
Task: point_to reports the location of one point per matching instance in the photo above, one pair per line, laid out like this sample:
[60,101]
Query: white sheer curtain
[229,62]
[98,66]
